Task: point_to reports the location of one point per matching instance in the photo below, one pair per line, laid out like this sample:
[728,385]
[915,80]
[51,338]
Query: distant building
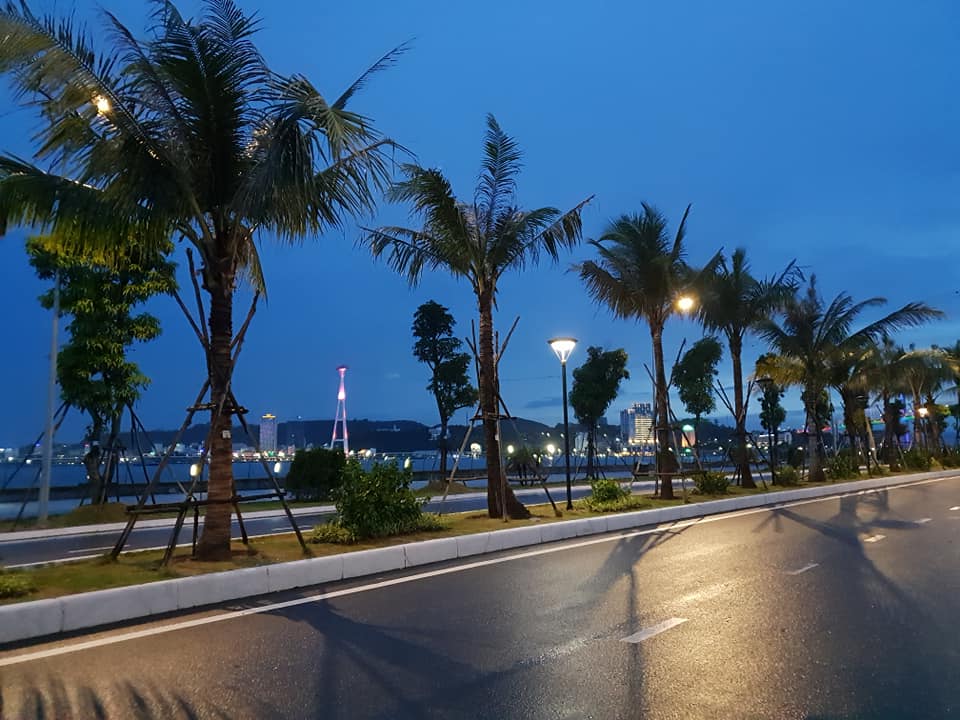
[636,425]
[268,433]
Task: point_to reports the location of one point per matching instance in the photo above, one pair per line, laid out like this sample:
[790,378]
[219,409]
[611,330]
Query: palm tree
[811,334]
[185,135]
[478,241]
[928,372]
[734,302]
[640,274]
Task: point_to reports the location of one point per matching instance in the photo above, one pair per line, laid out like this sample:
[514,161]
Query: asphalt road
[94,543]
[837,609]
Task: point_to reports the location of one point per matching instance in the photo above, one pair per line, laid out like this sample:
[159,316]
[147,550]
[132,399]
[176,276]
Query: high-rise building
[268,433]
[636,425]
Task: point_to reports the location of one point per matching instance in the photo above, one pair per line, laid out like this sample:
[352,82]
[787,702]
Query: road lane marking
[808,566]
[874,538]
[319,597]
[89,550]
[647,633]
[955,507]
[922,521]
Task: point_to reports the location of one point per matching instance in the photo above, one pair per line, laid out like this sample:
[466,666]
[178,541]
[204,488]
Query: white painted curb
[37,618]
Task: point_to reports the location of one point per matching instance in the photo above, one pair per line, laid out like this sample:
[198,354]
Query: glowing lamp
[563,346]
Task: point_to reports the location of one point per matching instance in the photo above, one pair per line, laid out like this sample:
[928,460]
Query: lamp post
[563,346]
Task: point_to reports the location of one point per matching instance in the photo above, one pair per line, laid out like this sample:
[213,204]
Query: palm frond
[497,185]
[409,252]
[388,60]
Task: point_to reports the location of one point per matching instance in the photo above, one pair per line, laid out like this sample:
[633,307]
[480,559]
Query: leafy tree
[184,135]
[693,376]
[316,474]
[811,334]
[478,241]
[639,275]
[439,350]
[93,370]
[772,412]
[734,302]
[595,385]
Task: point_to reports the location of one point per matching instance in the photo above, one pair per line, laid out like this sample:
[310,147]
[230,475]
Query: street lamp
[686,303]
[563,346]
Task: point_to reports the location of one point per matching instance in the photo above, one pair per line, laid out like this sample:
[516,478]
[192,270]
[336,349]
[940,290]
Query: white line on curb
[808,566]
[647,633]
[874,538]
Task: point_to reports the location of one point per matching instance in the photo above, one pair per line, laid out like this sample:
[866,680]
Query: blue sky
[822,131]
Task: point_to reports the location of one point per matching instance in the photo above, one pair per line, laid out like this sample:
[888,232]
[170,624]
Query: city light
[563,346]
[102,104]
[551,448]
[510,449]
[686,303]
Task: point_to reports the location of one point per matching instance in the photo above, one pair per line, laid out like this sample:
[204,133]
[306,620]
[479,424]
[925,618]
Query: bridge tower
[341,416]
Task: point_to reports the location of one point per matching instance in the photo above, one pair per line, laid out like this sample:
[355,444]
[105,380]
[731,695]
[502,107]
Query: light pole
[563,346]
[766,385]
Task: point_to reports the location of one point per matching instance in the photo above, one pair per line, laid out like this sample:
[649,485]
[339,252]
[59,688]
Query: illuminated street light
[563,346]
[277,467]
[551,449]
[686,303]
[194,470]
[510,449]
[102,104]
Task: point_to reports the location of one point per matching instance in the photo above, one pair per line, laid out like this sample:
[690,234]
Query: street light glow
[510,449]
[194,470]
[102,104]
[686,303]
[563,346]
[551,448]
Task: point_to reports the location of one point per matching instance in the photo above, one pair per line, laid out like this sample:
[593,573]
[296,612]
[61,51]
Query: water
[178,470]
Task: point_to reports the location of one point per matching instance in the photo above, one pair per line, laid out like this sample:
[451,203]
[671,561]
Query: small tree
[93,371]
[694,377]
[439,350]
[595,385]
[772,413]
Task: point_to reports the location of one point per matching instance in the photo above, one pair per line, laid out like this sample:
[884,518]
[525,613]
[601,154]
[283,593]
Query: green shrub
[950,458]
[332,532]
[378,502]
[788,475]
[606,491]
[621,504]
[14,584]
[315,474]
[842,466]
[916,459]
[711,483]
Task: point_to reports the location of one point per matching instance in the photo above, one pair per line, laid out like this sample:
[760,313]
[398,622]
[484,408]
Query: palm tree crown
[477,241]
[187,135]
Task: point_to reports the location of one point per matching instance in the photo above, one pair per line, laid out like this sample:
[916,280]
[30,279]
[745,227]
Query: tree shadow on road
[882,665]
[44,697]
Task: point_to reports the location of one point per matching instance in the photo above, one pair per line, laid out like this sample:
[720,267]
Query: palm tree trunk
[743,456]
[215,541]
[814,445]
[591,449]
[665,462]
[490,410]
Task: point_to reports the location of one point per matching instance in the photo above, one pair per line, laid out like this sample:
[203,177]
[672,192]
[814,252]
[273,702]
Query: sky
[821,131]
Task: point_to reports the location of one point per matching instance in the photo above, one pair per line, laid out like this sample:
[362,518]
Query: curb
[38,618]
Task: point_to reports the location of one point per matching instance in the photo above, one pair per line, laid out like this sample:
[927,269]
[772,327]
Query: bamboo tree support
[725,399]
[190,501]
[502,414]
[59,416]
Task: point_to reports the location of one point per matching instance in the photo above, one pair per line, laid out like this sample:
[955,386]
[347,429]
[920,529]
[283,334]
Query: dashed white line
[922,521]
[647,633]
[808,566]
[955,507]
[874,538]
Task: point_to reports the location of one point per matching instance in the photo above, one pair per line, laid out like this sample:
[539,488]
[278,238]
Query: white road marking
[922,521]
[808,566]
[874,538]
[955,507]
[234,614]
[649,632]
[89,550]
